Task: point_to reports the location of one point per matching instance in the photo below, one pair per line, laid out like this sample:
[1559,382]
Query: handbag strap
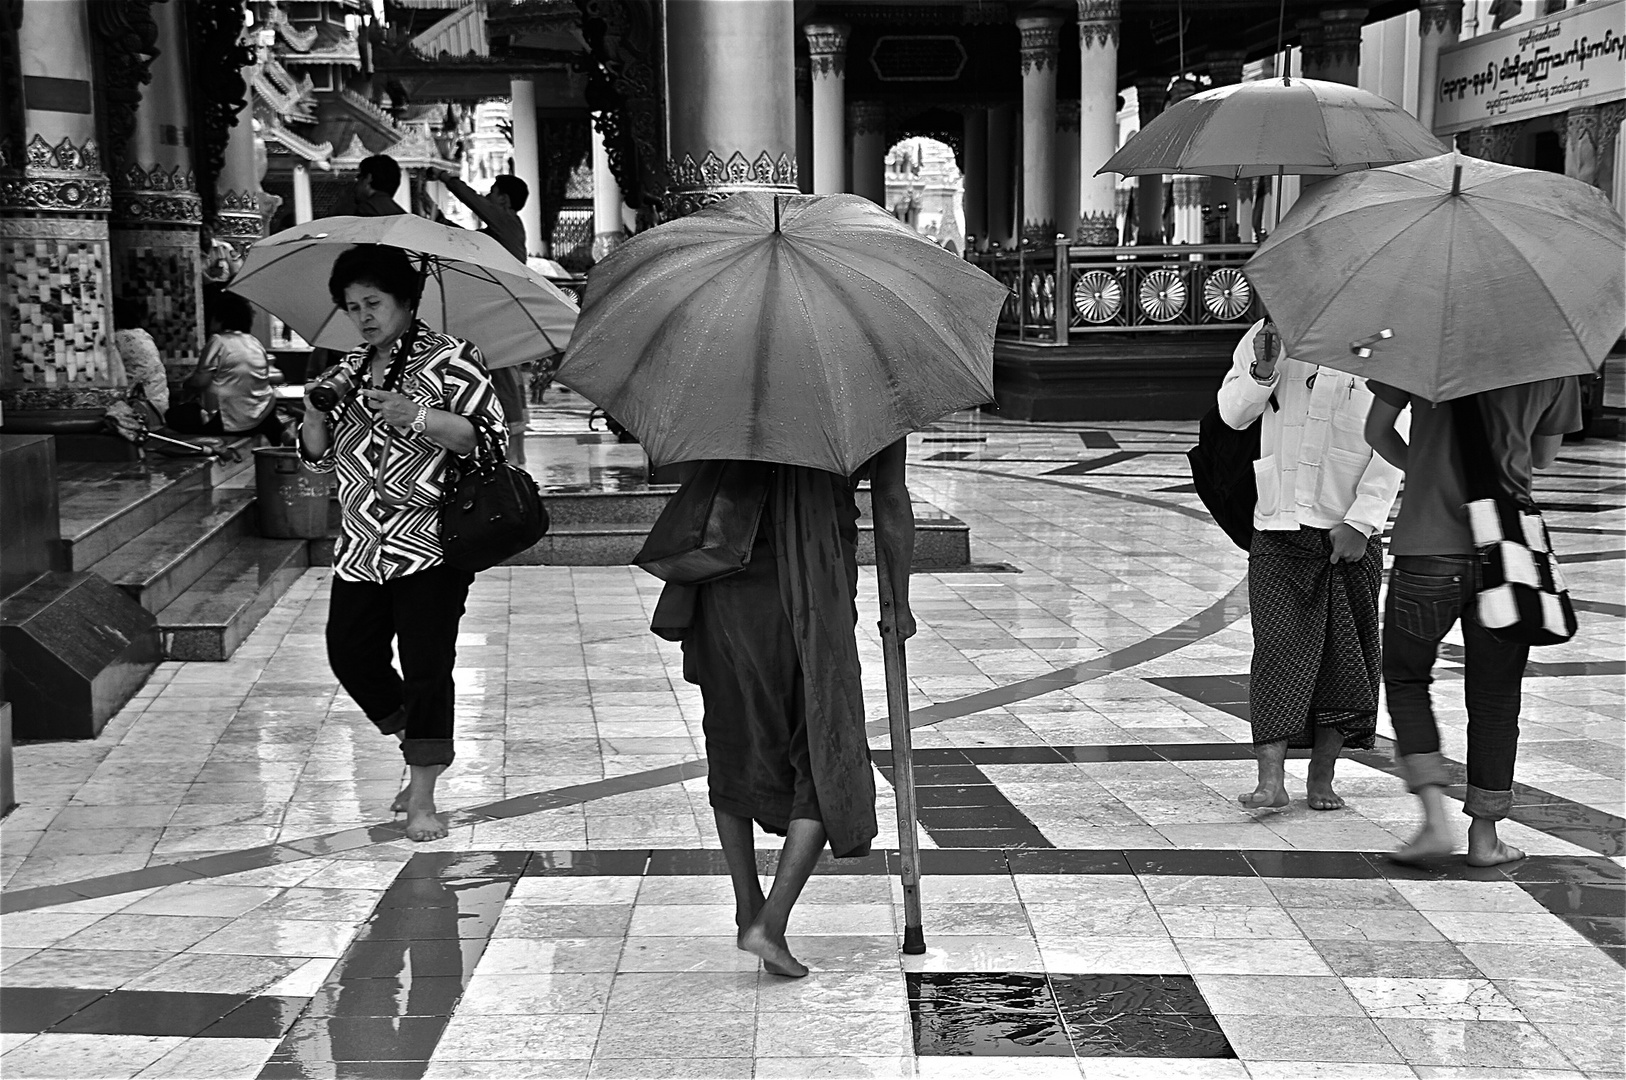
[1482,478]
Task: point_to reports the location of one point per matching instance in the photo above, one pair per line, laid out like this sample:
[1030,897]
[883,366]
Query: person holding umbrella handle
[387,420]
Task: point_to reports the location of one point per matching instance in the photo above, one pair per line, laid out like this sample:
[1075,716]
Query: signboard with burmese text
[1574,58]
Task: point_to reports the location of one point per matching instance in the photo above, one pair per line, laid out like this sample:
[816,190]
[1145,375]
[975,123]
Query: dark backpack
[1222,472]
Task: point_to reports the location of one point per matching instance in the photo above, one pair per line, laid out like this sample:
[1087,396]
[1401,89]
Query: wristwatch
[1253,370]
[421,421]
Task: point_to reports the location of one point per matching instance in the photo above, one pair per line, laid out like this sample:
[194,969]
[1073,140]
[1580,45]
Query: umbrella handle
[903,766]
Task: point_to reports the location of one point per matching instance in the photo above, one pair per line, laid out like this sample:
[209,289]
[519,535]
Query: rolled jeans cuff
[1490,805]
[394,722]
[427,751]
[1424,770]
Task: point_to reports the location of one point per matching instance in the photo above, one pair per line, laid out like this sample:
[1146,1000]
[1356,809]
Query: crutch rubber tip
[914,940]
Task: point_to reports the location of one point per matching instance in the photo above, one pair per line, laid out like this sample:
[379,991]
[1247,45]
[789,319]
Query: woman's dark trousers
[1427,594]
[417,614]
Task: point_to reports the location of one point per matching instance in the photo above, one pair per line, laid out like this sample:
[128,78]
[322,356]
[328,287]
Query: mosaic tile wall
[57,294]
[162,272]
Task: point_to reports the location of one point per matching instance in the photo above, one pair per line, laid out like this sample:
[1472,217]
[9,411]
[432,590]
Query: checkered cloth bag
[1522,597]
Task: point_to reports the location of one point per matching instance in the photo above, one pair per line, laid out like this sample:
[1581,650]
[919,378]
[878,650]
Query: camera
[331,388]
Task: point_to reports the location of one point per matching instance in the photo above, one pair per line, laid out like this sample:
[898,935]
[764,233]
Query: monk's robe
[774,652]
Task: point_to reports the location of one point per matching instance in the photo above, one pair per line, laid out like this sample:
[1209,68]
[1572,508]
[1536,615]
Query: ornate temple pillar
[55,285]
[1097,121]
[1341,44]
[827,61]
[608,224]
[1220,194]
[804,125]
[730,99]
[1494,142]
[1149,189]
[527,161]
[866,120]
[1590,136]
[975,182]
[1039,50]
[1001,170]
[157,215]
[302,193]
[1312,49]
[1439,22]
[1066,167]
[237,189]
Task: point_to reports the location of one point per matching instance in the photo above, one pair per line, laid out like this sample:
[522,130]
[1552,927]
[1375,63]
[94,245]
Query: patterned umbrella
[805,330]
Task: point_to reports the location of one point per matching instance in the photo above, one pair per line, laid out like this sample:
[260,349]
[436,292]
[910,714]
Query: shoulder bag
[1222,472]
[1522,597]
[709,525]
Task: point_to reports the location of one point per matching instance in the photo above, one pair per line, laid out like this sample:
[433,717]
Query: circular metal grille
[1163,295]
[1098,296]
[1227,293]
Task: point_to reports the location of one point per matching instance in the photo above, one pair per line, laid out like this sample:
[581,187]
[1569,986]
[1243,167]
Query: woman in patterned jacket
[420,399]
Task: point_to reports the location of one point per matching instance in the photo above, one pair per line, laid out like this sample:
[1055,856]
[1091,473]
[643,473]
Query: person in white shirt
[1315,564]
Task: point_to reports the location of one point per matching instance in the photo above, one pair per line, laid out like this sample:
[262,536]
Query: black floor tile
[958,795]
[1311,864]
[628,862]
[276,1069]
[421,996]
[1574,898]
[1125,752]
[1599,929]
[942,775]
[338,1039]
[1579,869]
[984,838]
[991,1014]
[466,864]
[677,862]
[388,959]
[257,1018]
[1138,1016]
[1014,755]
[150,1012]
[29,1010]
[1067,861]
[999,815]
[873,863]
[1196,863]
[958,861]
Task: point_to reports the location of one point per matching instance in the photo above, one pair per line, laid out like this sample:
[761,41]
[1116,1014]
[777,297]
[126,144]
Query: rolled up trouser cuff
[1490,805]
[427,751]
[1424,770]
[392,723]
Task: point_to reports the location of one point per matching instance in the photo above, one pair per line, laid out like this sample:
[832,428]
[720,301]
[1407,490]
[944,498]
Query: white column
[1149,195]
[827,55]
[1039,34]
[1066,167]
[528,160]
[867,122]
[1097,122]
[302,193]
[1439,22]
[975,176]
[607,220]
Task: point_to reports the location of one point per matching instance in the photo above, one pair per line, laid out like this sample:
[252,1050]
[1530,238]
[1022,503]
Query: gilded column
[157,216]
[1066,166]
[866,120]
[1039,50]
[55,285]
[1001,173]
[731,100]
[1149,193]
[527,162]
[237,189]
[827,62]
[1439,23]
[975,172]
[1097,121]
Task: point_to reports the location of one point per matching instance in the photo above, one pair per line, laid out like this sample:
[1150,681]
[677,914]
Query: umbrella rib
[1568,325]
[1374,253]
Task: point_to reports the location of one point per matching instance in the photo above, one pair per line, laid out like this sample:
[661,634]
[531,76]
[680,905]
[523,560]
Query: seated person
[235,376]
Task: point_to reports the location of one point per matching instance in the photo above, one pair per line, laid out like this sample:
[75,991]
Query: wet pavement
[215,888]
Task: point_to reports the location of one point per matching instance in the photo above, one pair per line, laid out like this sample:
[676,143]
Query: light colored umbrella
[805,330]
[474,289]
[1448,276]
[1274,126]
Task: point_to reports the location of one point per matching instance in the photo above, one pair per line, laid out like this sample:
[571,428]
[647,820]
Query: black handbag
[491,512]
[709,525]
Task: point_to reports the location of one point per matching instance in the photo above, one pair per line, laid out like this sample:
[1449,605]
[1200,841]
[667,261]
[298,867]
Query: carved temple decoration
[1041,40]
[1439,17]
[827,48]
[125,36]
[563,143]
[1312,42]
[64,178]
[154,196]
[697,184]
[625,90]
[1341,37]
[1098,22]
[217,56]
[1099,228]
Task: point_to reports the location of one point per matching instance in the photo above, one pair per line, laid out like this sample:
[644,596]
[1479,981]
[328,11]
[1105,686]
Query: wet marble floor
[214,888]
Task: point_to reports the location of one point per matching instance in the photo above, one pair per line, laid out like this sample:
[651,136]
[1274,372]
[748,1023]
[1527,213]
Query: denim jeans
[1427,594]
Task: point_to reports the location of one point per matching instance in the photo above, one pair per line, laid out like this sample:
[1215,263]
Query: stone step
[213,616]
[159,564]
[105,505]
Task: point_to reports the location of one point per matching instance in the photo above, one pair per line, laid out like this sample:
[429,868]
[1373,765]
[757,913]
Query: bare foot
[744,917]
[399,806]
[1321,794]
[1485,848]
[1430,841]
[422,824]
[1265,797]
[775,954]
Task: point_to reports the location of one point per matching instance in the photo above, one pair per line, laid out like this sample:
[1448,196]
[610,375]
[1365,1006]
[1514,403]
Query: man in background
[377,180]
